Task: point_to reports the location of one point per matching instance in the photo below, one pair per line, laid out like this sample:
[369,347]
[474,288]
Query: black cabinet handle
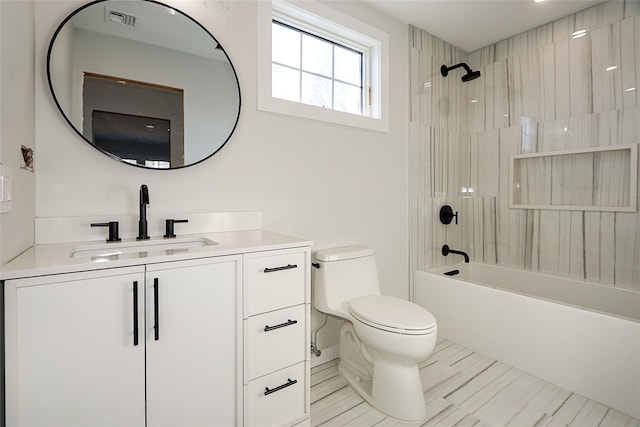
[289,322]
[290,382]
[284,267]
[156,306]
[135,312]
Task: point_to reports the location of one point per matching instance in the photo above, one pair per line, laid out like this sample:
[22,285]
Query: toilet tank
[345,273]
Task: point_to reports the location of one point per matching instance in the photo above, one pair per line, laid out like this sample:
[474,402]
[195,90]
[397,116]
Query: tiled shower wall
[539,91]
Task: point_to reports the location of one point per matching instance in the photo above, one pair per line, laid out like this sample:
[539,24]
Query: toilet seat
[392,315]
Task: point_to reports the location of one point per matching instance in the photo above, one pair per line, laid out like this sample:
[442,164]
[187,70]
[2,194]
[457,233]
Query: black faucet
[446,251]
[142,223]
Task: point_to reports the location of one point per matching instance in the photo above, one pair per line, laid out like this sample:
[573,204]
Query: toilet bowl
[382,339]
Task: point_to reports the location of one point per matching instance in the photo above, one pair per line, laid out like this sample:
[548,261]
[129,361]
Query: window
[314,70]
[319,64]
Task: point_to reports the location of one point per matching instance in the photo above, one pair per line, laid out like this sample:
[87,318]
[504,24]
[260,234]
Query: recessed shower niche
[590,179]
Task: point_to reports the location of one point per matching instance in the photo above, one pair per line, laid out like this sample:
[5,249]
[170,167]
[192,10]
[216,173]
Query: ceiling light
[579,33]
[630,89]
[427,85]
[473,101]
[611,68]
[538,1]
[150,126]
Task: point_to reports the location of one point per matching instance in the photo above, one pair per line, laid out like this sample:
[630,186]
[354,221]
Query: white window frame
[329,23]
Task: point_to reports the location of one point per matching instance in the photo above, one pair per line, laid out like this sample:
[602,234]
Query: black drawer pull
[135,312]
[156,308]
[289,382]
[284,267]
[289,322]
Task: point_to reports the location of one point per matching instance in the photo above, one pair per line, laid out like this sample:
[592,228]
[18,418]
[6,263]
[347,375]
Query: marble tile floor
[463,389]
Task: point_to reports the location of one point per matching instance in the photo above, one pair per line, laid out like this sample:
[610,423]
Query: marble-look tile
[582,132]
[455,141]
[629,126]
[548,82]
[637,50]
[549,85]
[631,8]
[569,410]
[498,116]
[576,249]
[547,257]
[607,82]
[627,250]
[487,156]
[509,145]
[562,78]
[473,104]
[562,28]
[580,85]
[611,171]
[602,14]
[509,401]
[630,63]
[501,51]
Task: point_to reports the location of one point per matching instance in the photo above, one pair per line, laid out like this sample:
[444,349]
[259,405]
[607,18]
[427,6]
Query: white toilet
[382,340]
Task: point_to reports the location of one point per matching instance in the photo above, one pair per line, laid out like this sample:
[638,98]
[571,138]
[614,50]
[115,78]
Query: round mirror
[144,83]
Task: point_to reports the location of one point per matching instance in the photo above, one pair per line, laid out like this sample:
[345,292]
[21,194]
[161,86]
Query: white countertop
[57,258]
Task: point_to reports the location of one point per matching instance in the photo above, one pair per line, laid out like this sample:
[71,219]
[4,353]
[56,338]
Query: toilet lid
[392,314]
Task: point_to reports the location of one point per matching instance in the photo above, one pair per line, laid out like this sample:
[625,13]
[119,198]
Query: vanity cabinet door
[193,342]
[71,359]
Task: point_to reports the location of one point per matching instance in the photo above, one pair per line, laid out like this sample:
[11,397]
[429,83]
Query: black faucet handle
[447,215]
[169,233]
[113,230]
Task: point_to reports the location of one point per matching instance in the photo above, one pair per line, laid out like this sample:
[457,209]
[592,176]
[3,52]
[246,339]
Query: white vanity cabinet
[70,356]
[193,337]
[276,336]
[208,336]
[148,345]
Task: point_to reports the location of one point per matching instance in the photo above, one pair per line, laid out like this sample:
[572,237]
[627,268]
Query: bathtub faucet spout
[446,251]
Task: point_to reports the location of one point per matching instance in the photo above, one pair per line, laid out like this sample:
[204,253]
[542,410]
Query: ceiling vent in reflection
[119,18]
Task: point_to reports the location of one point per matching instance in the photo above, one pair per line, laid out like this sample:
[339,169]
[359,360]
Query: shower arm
[462,64]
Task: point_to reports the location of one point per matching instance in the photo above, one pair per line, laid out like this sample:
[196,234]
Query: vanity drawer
[277,399]
[274,340]
[274,280]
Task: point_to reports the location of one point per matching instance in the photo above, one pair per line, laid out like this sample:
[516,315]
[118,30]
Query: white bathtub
[580,336]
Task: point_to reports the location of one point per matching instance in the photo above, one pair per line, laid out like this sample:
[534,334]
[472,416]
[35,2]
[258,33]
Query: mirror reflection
[144,83]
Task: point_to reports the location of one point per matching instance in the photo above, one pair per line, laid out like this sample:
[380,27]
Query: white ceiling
[473,24]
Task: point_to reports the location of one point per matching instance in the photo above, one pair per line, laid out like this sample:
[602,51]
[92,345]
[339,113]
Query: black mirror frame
[78,10]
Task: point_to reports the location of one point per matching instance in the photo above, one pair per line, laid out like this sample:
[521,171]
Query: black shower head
[471,75]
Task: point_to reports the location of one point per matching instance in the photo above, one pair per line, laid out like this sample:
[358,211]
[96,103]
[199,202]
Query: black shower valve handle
[447,215]
[113,230]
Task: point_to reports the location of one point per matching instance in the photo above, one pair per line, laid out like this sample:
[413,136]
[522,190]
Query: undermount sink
[114,249]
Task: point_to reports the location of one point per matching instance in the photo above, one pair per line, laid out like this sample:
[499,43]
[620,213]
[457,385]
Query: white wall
[16,122]
[333,184]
